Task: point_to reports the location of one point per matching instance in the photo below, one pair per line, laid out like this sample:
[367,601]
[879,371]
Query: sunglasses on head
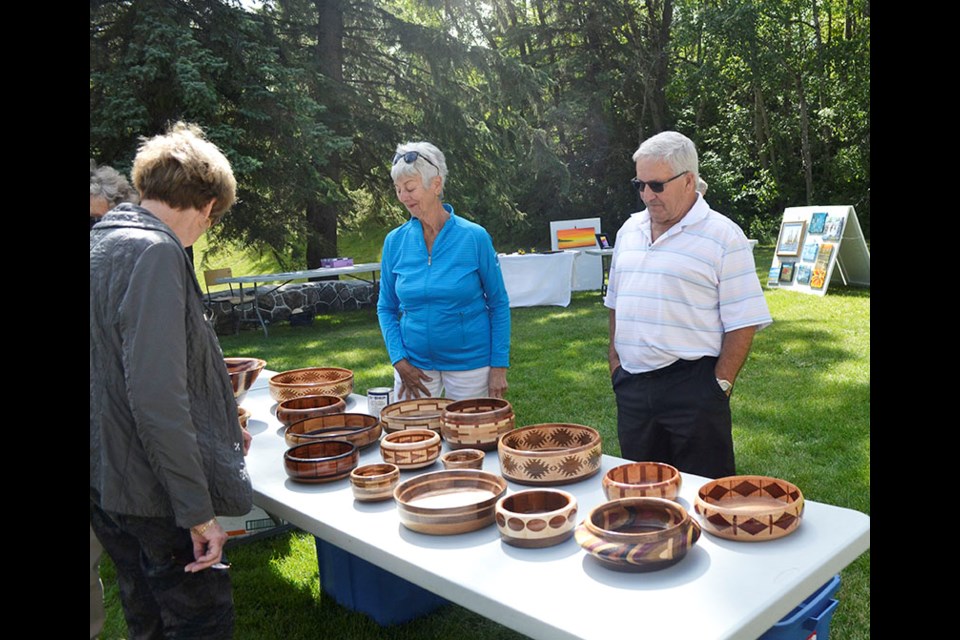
[655,186]
[411,156]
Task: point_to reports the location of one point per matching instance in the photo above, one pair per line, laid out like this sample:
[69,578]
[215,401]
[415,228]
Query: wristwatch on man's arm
[725,385]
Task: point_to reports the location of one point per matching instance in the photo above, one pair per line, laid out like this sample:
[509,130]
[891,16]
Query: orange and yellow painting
[576,237]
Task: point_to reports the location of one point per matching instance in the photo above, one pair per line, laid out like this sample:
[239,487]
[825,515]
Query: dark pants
[678,415]
[159,599]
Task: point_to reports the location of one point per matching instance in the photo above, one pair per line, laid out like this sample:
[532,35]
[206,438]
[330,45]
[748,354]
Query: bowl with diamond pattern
[749,508]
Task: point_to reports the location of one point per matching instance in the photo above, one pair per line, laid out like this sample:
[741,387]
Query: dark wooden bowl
[323,461]
[303,407]
[476,423]
[357,428]
[449,502]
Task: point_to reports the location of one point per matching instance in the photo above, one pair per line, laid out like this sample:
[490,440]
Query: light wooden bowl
[638,534]
[243,373]
[749,508]
[303,407]
[357,428]
[476,423]
[323,461]
[463,459]
[311,381]
[411,448]
[374,482]
[550,454]
[449,502]
[642,479]
[536,518]
[243,415]
[420,413]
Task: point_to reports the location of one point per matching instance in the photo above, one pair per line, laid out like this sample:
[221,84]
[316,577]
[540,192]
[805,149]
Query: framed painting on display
[791,238]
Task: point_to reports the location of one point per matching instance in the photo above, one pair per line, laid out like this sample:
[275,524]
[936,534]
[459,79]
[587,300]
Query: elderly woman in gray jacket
[166,447]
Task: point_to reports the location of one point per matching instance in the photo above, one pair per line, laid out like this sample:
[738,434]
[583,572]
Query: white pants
[456,385]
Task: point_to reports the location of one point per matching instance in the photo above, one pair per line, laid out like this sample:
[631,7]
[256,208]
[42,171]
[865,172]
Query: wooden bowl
[359,429]
[476,423]
[243,415]
[421,413]
[323,461]
[638,534]
[449,502]
[642,479]
[243,373]
[411,448]
[536,518]
[749,508]
[550,454]
[311,381]
[374,482]
[303,407]
[463,459]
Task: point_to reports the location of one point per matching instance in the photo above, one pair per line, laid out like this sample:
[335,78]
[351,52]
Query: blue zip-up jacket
[445,311]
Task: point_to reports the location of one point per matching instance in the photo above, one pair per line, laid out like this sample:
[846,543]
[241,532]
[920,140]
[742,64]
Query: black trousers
[159,599]
[678,415]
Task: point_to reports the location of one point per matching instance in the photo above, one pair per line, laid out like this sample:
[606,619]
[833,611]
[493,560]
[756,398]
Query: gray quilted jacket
[164,434]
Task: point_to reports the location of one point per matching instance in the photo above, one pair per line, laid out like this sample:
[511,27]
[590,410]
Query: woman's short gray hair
[428,165]
[111,185]
[672,147]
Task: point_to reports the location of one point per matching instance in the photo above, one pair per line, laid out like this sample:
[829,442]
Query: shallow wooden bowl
[749,508]
[449,502]
[374,482]
[323,461]
[411,448]
[550,454]
[536,518]
[243,415]
[420,413]
[359,429]
[638,534]
[243,373]
[476,423]
[463,459]
[303,407]
[311,381]
[642,479]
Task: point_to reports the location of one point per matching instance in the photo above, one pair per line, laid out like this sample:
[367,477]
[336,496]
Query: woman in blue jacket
[443,307]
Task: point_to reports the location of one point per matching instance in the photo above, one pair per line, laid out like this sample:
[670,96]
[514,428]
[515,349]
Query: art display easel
[813,243]
[587,269]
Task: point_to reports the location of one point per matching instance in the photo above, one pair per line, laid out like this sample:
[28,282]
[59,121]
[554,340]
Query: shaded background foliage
[538,105]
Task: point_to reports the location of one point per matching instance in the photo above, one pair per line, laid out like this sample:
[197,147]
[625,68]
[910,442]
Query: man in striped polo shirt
[685,302]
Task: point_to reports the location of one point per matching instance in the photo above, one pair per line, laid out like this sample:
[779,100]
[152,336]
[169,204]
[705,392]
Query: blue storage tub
[810,620]
[361,586]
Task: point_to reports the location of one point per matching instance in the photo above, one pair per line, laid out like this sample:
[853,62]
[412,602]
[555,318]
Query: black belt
[679,365]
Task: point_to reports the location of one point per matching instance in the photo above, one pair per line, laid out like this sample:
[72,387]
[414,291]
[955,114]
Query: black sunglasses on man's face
[655,186]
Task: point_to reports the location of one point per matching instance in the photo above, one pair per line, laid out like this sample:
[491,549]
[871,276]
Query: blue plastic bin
[361,586]
[810,620]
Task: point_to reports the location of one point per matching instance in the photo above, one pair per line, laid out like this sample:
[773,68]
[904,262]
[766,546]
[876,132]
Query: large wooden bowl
[323,461]
[449,502]
[303,407]
[550,454]
[749,508]
[243,373]
[420,413]
[311,381]
[642,479]
[476,423]
[374,482]
[536,518]
[359,429]
[411,448]
[638,534]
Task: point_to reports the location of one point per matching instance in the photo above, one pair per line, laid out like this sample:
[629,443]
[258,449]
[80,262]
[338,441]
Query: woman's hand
[497,385]
[411,380]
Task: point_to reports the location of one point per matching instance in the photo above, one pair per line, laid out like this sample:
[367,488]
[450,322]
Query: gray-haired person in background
[108,188]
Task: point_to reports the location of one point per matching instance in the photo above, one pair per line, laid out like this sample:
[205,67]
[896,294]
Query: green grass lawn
[801,411]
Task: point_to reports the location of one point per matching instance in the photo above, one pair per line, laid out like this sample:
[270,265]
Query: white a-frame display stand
[813,243]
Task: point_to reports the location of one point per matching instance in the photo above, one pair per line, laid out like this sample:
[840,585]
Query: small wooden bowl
[411,448]
[749,508]
[243,415]
[359,429]
[243,373]
[536,518]
[449,502]
[374,482]
[303,407]
[463,459]
[642,479]
[638,534]
[421,413]
[323,461]
[550,454]
[311,381]
[476,423]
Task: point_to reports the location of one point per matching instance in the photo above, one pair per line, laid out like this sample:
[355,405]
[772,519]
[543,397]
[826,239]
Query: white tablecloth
[538,278]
